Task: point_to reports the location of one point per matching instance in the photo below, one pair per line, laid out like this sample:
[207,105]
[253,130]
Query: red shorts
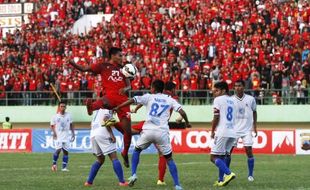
[115,100]
[138,126]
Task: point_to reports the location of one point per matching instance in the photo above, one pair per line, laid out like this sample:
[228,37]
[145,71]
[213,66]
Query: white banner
[302,137]
[10,9]
[10,21]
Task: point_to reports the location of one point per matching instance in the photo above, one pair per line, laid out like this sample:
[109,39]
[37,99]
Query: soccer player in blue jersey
[103,143]
[223,131]
[61,124]
[155,128]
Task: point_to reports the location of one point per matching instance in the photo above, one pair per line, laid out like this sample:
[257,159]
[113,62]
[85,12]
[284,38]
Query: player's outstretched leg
[162,165]
[220,163]
[93,172]
[119,172]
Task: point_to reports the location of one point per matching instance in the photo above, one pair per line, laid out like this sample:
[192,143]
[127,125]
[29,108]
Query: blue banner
[42,141]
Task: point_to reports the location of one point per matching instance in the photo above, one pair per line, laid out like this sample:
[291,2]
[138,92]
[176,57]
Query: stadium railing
[191,97]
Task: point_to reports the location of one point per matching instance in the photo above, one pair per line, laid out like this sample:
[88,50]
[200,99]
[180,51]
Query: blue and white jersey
[158,108]
[225,107]
[62,126]
[246,105]
[98,118]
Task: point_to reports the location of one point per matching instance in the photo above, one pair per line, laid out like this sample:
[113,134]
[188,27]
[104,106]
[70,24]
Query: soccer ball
[129,70]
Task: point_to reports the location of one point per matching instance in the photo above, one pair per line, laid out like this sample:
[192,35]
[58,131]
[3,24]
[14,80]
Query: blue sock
[221,175]
[251,165]
[222,166]
[55,158]
[118,170]
[93,172]
[227,161]
[135,161]
[173,171]
[65,159]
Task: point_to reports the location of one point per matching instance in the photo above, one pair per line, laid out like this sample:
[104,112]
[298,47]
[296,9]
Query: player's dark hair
[241,82]
[158,85]
[222,86]
[62,102]
[114,51]
[7,119]
[169,86]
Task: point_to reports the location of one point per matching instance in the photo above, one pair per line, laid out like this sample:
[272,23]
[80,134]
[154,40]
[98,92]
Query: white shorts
[247,139]
[62,145]
[102,145]
[222,145]
[161,139]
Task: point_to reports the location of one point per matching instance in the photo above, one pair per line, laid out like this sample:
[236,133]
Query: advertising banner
[266,142]
[302,139]
[43,141]
[15,140]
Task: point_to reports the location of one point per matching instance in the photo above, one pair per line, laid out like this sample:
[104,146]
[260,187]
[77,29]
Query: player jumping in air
[115,88]
[155,129]
[103,143]
[61,124]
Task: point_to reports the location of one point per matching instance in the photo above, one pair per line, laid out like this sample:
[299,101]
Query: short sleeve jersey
[62,126]
[224,106]
[246,105]
[98,117]
[158,108]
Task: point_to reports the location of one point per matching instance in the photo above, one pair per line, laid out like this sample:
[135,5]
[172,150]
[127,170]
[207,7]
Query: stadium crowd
[193,43]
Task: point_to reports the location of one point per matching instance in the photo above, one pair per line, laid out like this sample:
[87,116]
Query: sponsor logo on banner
[15,140]
[266,142]
[302,139]
[43,141]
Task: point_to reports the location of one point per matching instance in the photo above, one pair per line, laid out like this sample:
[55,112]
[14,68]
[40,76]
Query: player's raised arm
[136,108]
[128,102]
[184,116]
[80,67]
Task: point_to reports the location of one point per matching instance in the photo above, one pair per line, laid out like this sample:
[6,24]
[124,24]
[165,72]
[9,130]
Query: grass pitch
[196,172]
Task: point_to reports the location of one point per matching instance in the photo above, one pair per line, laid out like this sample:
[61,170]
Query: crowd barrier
[183,141]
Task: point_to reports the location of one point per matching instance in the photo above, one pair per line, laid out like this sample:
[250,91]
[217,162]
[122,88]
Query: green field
[32,171]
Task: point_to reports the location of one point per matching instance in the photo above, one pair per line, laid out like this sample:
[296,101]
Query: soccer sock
[227,161]
[118,170]
[93,171]
[119,127]
[173,171]
[162,165]
[65,159]
[55,158]
[222,166]
[221,175]
[135,161]
[251,165]
[127,142]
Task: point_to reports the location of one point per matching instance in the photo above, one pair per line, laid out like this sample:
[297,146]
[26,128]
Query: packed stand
[192,43]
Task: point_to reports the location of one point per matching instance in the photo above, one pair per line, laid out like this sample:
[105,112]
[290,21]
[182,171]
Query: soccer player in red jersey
[115,88]
[137,128]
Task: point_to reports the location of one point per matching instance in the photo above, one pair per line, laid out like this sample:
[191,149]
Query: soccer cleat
[251,178]
[64,170]
[159,182]
[228,178]
[88,103]
[110,122]
[132,179]
[126,160]
[178,187]
[86,184]
[124,184]
[54,168]
[218,184]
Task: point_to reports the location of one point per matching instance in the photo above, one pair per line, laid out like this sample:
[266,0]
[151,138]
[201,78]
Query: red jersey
[112,79]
